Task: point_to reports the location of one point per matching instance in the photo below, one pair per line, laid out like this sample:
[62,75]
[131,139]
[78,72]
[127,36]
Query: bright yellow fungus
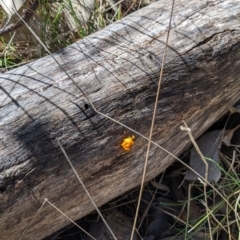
[128,143]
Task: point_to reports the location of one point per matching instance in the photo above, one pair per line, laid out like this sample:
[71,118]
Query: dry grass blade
[188,209]
[156,185]
[237,211]
[230,165]
[85,189]
[186,128]
[152,125]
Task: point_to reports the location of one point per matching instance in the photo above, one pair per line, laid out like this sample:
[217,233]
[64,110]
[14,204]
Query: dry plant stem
[237,211]
[231,168]
[150,203]
[85,189]
[227,215]
[69,219]
[206,174]
[152,125]
[217,221]
[131,6]
[188,130]
[178,218]
[175,217]
[188,209]
[228,224]
[32,219]
[139,235]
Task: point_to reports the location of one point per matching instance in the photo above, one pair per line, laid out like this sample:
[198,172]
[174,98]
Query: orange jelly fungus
[128,143]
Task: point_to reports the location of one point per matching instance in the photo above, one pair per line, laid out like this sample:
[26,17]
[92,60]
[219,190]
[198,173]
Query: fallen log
[118,69]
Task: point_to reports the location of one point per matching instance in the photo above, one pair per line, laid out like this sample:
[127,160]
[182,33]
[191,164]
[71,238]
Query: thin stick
[152,125]
[85,189]
[150,203]
[228,225]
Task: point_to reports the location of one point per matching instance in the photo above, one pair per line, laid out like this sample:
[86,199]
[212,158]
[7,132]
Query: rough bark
[118,68]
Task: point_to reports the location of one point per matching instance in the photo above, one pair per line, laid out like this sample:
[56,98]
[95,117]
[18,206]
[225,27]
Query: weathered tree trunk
[118,69]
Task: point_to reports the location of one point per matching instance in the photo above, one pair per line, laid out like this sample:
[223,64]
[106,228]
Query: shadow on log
[118,69]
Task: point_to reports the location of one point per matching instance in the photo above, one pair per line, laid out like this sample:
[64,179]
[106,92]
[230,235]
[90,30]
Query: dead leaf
[208,145]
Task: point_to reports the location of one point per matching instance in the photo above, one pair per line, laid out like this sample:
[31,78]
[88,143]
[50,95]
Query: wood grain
[118,69]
